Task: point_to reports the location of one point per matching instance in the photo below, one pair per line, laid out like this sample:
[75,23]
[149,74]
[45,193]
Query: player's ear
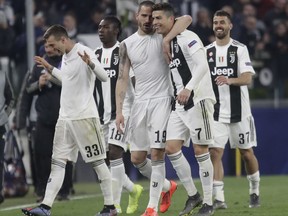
[230,26]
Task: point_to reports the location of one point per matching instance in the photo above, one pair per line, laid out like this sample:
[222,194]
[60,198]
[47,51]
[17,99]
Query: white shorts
[195,123]
[112,135]
[148,122]
[83,135]
[240,135]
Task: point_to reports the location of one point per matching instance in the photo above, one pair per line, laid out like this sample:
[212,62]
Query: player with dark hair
[108,55]
[231,71]
[192,111]
[152,104]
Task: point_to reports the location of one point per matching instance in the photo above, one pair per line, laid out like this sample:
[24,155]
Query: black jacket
[48,101]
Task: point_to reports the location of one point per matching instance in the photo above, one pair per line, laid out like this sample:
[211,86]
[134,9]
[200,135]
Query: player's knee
[138,157]
[247,154]
[136,161]
[115,152]
[216,153]
[170,149]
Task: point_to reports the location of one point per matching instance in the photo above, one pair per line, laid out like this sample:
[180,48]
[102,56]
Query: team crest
[116,59]
[232,57]
[176,48]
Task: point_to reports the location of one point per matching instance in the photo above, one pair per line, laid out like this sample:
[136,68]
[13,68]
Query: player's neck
[70,45]
[109,45]
[222,42]
[142,33]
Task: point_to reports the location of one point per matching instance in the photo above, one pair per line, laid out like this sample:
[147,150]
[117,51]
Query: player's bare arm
[180,25]
[121,86]
[243,79]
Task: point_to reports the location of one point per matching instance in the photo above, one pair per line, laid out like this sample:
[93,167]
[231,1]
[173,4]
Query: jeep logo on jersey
[116,59]
[175,63]
[111,73]
[222,71]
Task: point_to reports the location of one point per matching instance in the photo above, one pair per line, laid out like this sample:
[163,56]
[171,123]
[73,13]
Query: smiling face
[221,27]
[161,22]
[50,51]
[59,44]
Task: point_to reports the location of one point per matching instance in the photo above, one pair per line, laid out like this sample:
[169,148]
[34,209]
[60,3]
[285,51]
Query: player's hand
[167,50]
[43,63]
[85,57]
[42,81]
[183,96]
[222,80]
[47,76]
[120,123]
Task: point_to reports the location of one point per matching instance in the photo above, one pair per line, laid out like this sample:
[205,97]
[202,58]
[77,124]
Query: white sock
[183,170]
[117,173]
[145,169]
[254,182]
[128,184]
[218,190]
[104,177]
[206,176]
[55,181]
[166,185]
[156,183]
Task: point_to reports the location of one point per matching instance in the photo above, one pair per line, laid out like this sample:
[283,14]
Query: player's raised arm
[180,25]
[95,66]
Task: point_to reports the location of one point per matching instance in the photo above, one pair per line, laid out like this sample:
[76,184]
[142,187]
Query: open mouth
[219,30]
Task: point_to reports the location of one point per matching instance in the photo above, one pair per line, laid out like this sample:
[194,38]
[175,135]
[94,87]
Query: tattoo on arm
[123,59]
[122,95]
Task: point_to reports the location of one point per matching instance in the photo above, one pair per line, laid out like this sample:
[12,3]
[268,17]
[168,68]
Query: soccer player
[231,72]
[108,54]
[78,127]
[152,105]
[192,111]
[47,106]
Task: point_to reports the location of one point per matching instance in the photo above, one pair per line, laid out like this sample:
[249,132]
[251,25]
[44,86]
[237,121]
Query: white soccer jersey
[184,68]
[78,80]
[231,60]
[105,91]
[149,66]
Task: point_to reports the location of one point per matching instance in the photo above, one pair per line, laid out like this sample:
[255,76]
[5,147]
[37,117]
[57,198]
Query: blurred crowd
[260,24]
